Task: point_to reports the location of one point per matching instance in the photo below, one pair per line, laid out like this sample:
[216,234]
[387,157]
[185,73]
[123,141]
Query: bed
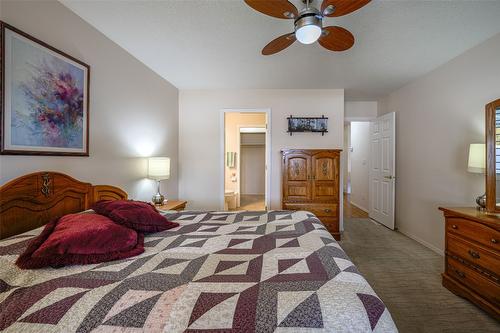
[276,271]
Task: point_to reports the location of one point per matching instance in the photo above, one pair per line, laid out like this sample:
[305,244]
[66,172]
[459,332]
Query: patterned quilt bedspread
[220,272]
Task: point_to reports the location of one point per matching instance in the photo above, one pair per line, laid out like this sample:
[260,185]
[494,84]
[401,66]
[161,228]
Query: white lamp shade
[159,168]
[477,158]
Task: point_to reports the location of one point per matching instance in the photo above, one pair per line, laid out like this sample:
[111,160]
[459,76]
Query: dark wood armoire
[311,181]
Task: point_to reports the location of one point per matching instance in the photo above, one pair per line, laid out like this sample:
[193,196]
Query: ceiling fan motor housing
[308,16]
[309,20]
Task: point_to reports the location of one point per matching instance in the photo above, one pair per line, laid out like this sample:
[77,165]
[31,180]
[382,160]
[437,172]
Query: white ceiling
[213,44]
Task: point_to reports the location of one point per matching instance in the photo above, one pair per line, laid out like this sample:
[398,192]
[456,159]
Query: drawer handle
[328,210]
[454,226]
[460,273]
[494,241]
[474,254]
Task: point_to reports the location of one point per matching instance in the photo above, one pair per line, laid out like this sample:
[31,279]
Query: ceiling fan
[309,23]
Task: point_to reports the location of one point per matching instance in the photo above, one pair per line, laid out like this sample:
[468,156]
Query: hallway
[351,210]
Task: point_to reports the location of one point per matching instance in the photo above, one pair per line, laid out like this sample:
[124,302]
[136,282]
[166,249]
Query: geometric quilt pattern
[276,271]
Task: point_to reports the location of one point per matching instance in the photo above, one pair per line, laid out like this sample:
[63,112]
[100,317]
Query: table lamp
[158,169]
[477,164]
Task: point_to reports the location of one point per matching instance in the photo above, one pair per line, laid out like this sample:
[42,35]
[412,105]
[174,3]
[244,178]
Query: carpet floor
[252,202]
[406,276]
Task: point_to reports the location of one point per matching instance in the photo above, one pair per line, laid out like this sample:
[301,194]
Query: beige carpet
[406,275]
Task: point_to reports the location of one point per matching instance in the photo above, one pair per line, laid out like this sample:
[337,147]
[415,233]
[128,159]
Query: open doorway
[356,169]
[253,168]
[246,159]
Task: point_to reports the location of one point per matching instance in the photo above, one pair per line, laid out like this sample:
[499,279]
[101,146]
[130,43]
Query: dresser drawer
[474,254]
[331,223]
[474,231]
[316,209]
[473,280]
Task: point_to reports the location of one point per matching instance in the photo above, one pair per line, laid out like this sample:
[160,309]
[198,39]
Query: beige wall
[360,110]
[359,160]
[253,164]
[437,117]
[200,117]
[133,112]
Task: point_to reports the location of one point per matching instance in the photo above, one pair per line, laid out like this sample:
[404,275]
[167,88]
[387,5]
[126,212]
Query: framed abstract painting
[44,98]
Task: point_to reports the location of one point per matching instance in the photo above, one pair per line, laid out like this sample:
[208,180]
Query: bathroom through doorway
[246,140]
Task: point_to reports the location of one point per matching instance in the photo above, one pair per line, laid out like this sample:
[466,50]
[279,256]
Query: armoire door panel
[324,168]
[296,172]
[325,176]
[298,191]
[298,168]
[325,191]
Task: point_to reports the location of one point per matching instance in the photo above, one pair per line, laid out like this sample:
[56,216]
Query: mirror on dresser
[493,157]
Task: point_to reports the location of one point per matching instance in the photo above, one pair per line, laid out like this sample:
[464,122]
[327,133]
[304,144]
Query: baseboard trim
[421,241]
[359,206]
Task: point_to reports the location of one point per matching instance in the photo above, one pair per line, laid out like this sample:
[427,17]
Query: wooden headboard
[31,201]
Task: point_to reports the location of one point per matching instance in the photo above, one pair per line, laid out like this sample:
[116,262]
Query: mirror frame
[491,205]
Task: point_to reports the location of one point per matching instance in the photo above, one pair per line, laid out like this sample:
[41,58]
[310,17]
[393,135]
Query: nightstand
[172,205]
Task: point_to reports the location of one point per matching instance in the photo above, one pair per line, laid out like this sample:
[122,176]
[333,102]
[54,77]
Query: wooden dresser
[310,180]
[472,261]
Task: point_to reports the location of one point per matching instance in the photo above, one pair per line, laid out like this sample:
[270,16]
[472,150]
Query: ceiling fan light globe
[308,34]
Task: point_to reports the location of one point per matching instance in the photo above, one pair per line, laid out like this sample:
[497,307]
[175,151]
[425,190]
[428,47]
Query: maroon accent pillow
[138,215]
[79,239]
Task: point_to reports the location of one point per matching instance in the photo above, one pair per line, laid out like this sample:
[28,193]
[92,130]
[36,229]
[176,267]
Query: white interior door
[382,174]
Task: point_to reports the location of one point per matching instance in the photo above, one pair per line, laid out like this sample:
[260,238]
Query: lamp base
[158,199]
[481,202]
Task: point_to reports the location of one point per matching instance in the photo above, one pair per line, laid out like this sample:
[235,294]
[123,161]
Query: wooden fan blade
[336,39]
[276,8]
[279,44]
[341,7]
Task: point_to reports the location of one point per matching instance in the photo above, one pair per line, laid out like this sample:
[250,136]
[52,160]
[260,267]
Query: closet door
[297,175]
[325,176]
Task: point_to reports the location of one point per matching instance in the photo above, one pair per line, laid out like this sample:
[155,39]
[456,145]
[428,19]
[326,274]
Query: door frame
[349,163]
[238,158]
[346,152]
[222,149]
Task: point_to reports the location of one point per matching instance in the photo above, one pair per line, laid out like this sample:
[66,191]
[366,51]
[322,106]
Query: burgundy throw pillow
[79,239]
[137,215]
